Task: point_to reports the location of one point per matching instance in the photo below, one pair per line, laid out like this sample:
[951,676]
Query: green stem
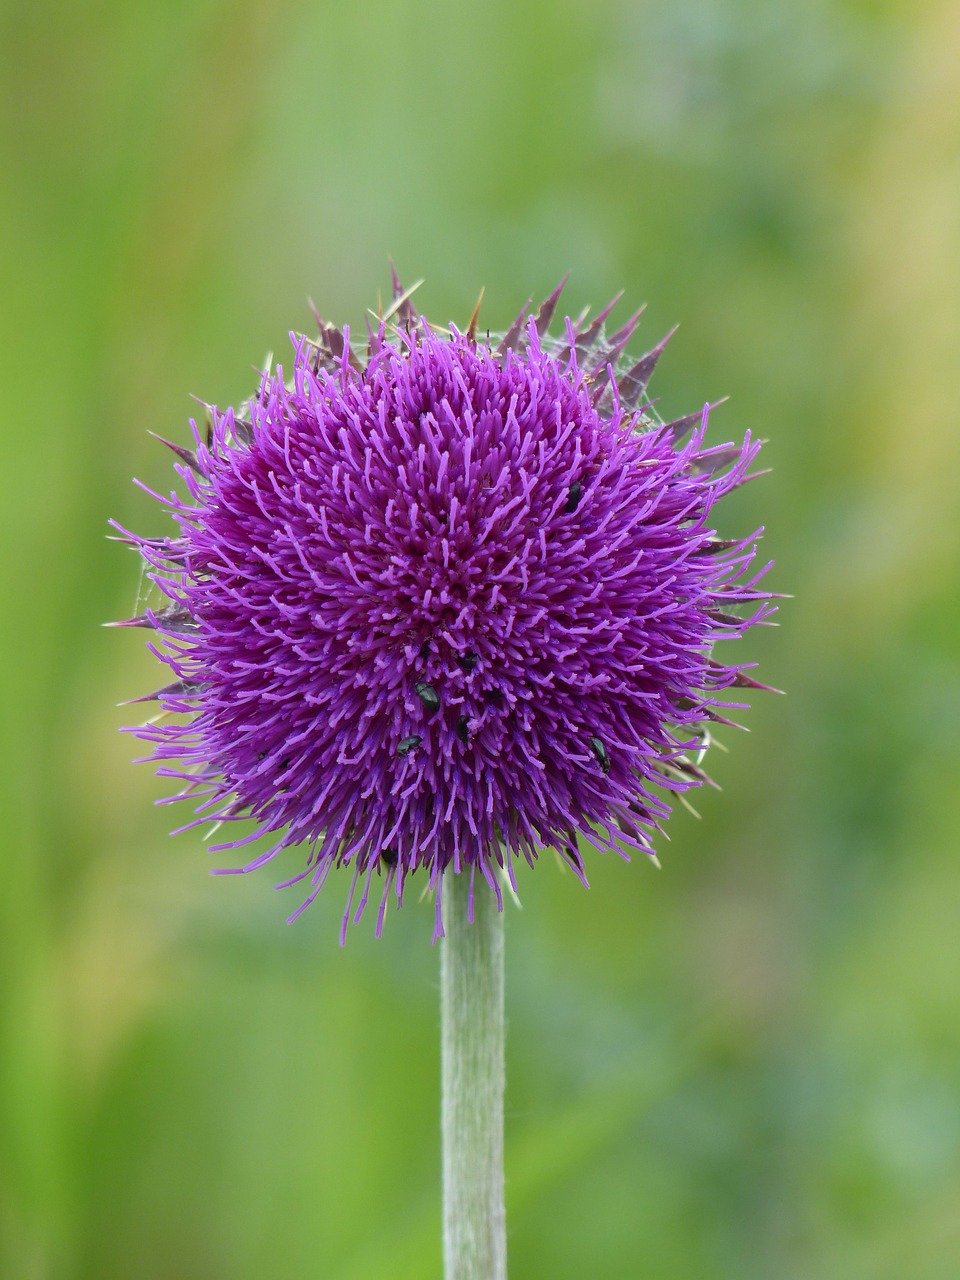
[472,1031]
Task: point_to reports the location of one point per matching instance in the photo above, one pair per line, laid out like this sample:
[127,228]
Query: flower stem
[472,1031]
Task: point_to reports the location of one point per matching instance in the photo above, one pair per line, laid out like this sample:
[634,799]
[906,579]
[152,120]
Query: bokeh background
[744,1066]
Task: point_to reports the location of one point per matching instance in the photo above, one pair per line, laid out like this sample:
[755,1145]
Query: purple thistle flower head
[446,605]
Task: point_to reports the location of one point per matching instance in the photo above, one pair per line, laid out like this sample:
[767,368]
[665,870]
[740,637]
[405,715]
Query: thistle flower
[443,605]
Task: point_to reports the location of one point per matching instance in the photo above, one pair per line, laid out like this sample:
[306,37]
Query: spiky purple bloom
[447,605]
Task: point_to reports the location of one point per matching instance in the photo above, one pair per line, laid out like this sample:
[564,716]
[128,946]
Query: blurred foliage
[744,1066]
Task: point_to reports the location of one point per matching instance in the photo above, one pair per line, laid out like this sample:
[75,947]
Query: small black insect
[601,753]
[428,696]
[406,745]
[463,729]
[468,660]
[573,498]
[425,650]
[388,856]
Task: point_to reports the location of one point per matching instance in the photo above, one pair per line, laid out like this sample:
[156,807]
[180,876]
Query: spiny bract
[446,604]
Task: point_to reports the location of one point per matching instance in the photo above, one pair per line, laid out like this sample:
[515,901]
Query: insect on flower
[442,602]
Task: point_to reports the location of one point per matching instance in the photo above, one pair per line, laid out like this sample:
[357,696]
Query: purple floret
[447,606]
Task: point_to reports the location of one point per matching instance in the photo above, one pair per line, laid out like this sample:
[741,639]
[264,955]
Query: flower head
[448,604]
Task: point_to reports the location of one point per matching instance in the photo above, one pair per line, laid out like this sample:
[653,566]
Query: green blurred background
[745,1066]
